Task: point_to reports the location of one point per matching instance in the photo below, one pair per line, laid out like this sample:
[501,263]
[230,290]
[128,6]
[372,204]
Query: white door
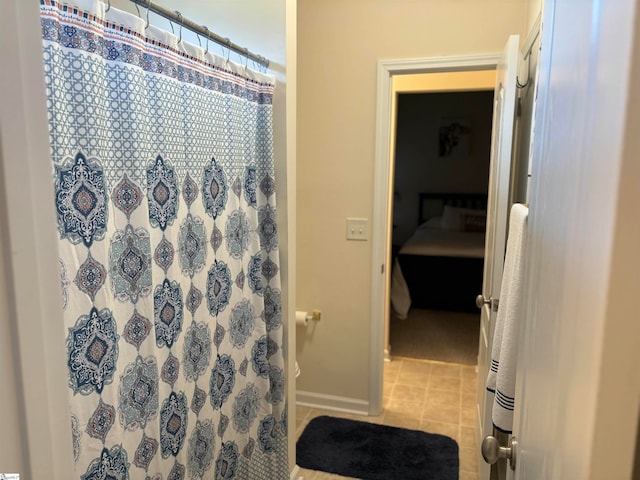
[578,388]
[497,212]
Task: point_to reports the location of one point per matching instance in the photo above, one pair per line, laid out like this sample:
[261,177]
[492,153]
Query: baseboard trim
[332,402]
[295,473]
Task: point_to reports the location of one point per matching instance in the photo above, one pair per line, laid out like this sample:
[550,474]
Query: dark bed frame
[444,283]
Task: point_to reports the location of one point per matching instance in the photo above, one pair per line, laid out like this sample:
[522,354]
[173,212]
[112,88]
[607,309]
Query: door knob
[480,301]
[492,451]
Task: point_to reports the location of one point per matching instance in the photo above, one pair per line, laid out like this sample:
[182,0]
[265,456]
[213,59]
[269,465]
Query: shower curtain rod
[175,16]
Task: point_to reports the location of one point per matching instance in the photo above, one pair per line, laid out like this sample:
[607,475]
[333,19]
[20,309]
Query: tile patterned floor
[431,396]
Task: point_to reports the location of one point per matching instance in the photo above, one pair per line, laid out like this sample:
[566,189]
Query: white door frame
[381,220]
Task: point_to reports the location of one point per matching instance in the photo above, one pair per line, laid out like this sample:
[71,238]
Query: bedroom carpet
[436,335]
[376,452]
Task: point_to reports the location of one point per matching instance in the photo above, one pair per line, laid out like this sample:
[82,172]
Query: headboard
[431,204]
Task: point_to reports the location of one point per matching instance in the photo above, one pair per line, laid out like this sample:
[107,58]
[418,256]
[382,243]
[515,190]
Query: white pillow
[455,218]
[434,222]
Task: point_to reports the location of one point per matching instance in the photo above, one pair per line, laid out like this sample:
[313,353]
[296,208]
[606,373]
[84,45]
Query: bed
[440,266]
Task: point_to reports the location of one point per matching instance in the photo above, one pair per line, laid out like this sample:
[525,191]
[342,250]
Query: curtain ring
[108,6]
[148,5]
[246,58]
[206,29]
[228,48]
[179,20]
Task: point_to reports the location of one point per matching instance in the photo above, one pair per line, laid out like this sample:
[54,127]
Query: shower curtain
[163,172]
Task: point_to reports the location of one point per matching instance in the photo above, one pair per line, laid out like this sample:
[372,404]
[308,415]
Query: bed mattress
[437,242]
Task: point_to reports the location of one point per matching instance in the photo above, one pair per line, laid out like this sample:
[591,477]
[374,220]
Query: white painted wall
[444,81]
[339,45]
[13,455]
[534,7]
[36,432]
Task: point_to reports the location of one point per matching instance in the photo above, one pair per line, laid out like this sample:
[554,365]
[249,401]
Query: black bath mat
[375,452]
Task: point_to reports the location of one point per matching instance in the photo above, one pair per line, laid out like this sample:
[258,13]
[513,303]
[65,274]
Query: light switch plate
[357,229]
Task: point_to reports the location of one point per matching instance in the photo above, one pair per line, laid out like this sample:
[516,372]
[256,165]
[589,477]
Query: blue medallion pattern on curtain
[162,163]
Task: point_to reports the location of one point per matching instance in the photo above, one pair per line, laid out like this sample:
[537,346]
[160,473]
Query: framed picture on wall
[453,138]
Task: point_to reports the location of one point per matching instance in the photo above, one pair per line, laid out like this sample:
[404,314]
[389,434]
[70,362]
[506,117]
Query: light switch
[357,229]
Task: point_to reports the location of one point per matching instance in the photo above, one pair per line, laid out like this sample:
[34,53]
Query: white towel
[502,374]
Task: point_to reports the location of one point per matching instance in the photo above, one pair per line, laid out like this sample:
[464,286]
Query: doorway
[441,161]
[403,72]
